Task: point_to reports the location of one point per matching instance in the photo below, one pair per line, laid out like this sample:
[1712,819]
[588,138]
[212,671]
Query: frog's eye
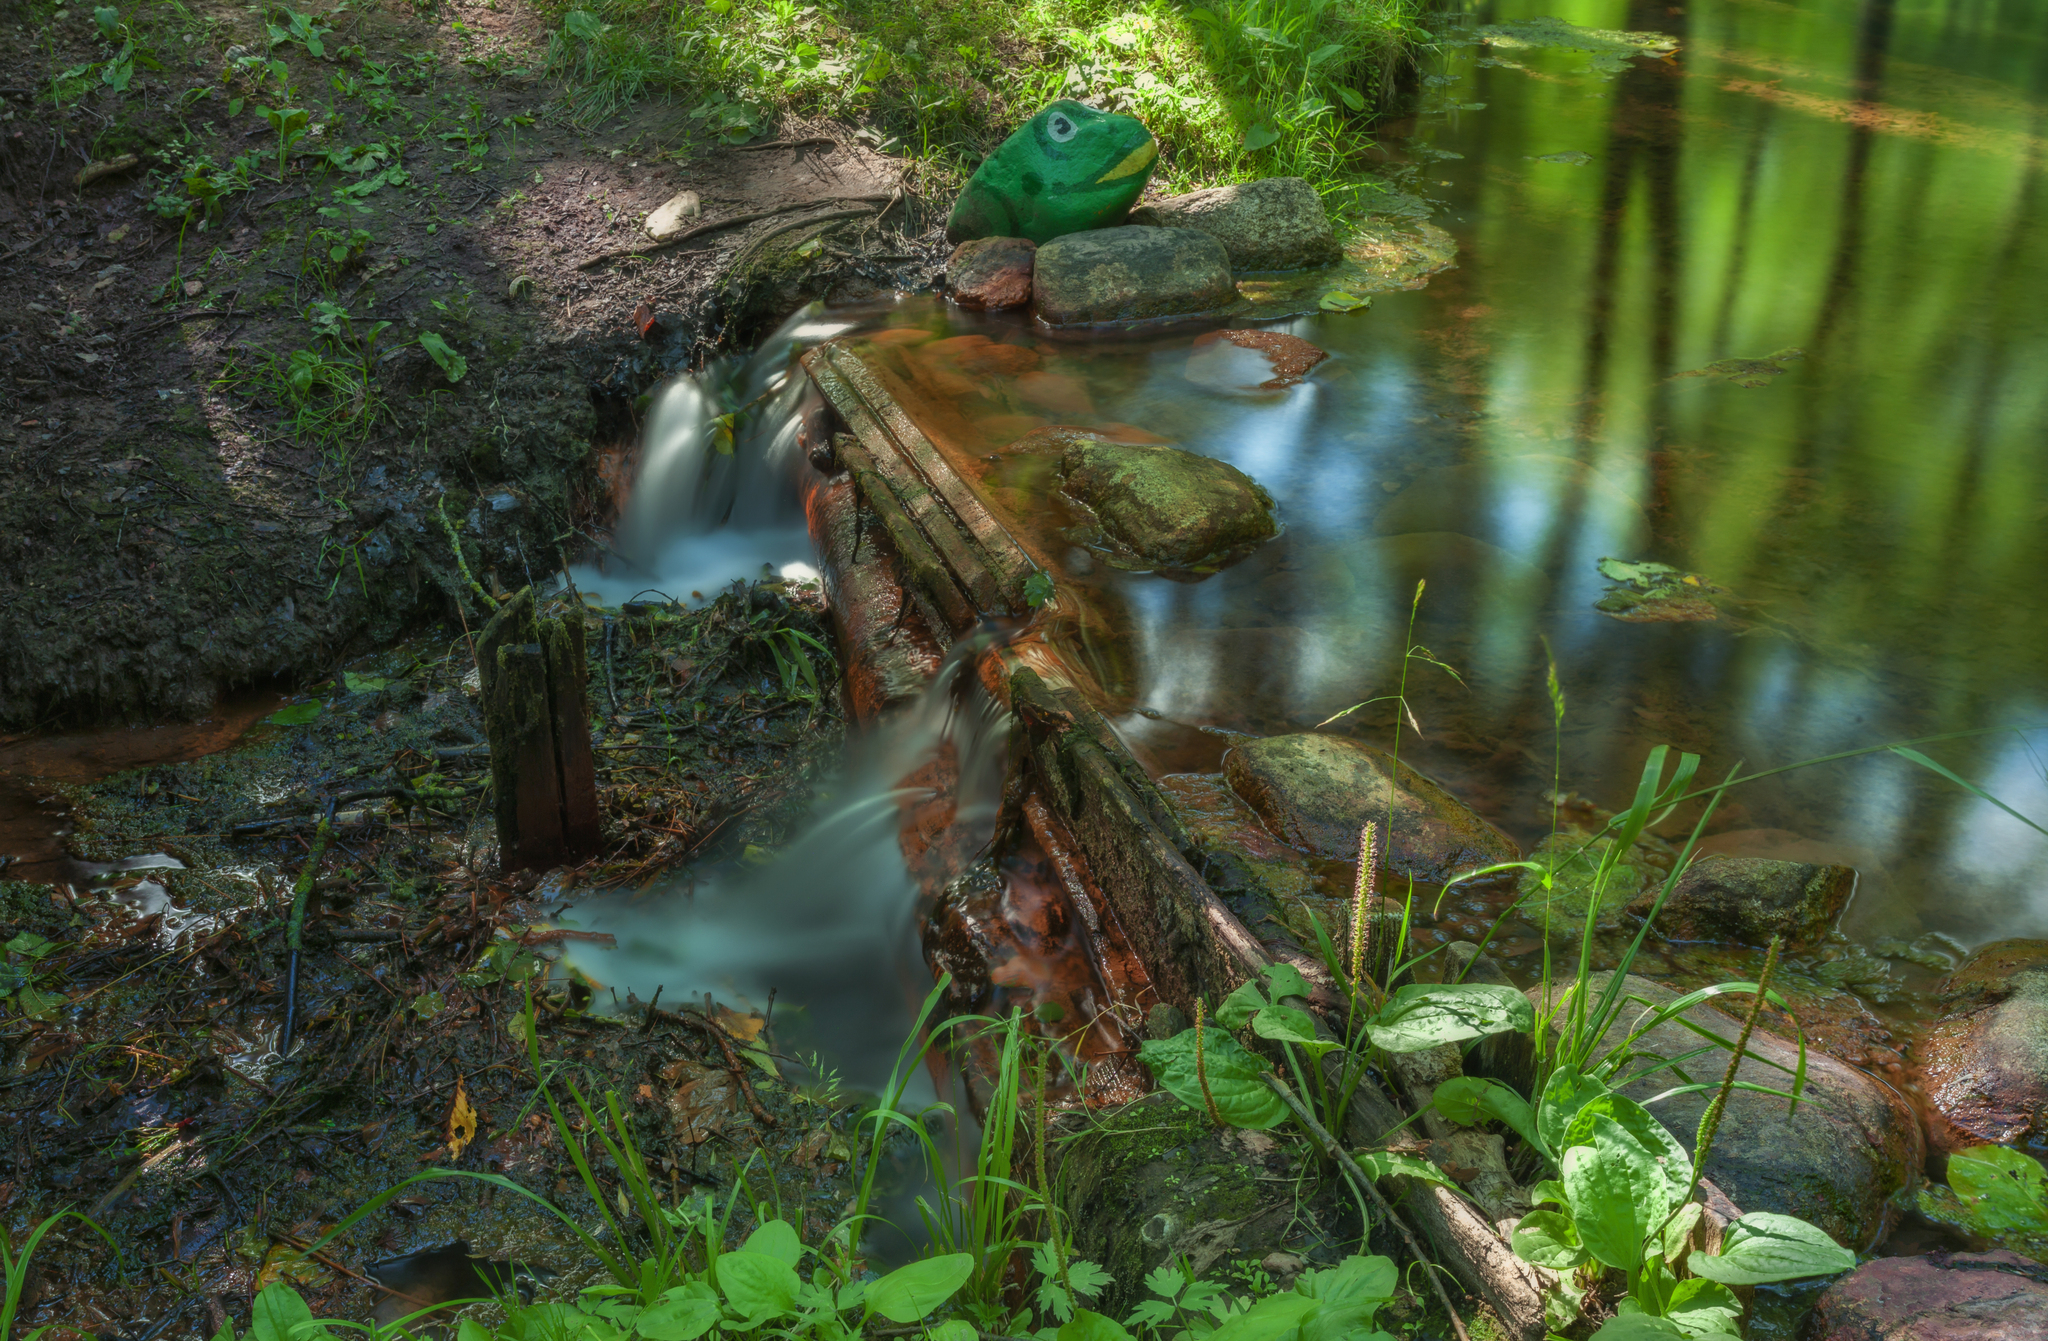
[1061,127]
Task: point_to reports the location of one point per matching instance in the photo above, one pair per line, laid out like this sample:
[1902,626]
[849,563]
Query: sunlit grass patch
[1237,90]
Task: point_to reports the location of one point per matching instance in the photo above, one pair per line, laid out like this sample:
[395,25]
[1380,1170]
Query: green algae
[1610,49]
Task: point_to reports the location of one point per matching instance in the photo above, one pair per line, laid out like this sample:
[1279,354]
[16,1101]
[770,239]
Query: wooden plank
[1003,555]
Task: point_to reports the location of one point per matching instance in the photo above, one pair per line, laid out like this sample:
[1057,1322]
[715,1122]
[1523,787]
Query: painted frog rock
[1155,506]
[1317,791]
[1067,169]
[1986,1063]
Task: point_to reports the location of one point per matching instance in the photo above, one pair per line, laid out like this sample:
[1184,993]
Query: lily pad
[1643,592]
[1611,49]
[1747,372]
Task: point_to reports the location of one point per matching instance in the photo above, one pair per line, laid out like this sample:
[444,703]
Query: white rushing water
[827,923]
[700,517]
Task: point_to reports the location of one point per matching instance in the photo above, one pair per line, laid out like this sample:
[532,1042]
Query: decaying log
[536,714]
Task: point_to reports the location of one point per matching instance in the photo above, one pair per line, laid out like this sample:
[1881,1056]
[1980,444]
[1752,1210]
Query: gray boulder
[1317,791]
[1275,224]
[1841,1161]
[1130,274]
[1158,506]
[1997,1296]
[1985,1064]
[1750,899]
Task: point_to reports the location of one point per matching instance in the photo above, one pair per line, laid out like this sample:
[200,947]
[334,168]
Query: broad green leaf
[910,1292]
[1387,1163]
[581,23]
[1548,1239]
[2002,1188]
[30,944]
[1550,1190]
[1679,1228]
[1341,1322]
[1618,1196]
[1239,1007]
[1354,1281]
[1285,1024]
[953,1329]
[1236,1077]
[469,1329]
[1638,1327]
[1086,1278]
[1342,300]
[758,1286]
[1259,137]
[1268,1320]
[1704,1308]
[278,1314]
[1166,1281]
[681,1314]
[776,1239]
[363,684]
[1762,1247]
[1564,1094]
[1468,1100]
[453,366]
[295,714]
[1284,980]
[1650,1134]
[1423,1015]
[1087,1326]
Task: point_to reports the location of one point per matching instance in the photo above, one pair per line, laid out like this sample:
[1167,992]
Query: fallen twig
[1331,1148]
[591,262]
[785,144]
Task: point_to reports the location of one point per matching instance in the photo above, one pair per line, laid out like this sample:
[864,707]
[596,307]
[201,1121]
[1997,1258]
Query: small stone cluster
[1171,258]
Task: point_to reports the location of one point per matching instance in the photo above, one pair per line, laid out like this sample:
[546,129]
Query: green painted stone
[1067,169]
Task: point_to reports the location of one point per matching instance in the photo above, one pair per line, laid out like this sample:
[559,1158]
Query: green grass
[1237,90]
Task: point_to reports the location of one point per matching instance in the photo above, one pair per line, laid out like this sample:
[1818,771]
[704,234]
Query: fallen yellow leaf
[461,1122]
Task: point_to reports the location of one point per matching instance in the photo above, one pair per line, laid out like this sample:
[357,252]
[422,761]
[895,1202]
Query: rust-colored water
[33,822]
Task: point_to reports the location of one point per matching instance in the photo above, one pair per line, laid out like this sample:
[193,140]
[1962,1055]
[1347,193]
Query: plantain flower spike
[1361,924]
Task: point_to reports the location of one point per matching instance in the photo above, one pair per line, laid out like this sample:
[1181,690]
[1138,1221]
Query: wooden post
[543,779]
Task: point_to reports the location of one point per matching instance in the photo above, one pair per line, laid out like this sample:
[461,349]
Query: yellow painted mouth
[1137,160]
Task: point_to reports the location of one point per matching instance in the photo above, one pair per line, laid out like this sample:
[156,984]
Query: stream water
[1771,310]
[1853,188]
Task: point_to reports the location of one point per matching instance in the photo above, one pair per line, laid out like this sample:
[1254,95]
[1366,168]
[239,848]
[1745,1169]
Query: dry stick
[708,1026]
[590,262]
[1330,1147]
[784,144]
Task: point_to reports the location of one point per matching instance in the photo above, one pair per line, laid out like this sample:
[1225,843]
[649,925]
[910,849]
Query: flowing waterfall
[700,517]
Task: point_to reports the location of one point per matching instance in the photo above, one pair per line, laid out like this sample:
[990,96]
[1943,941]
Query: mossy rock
[1154,1181]
[1153,506]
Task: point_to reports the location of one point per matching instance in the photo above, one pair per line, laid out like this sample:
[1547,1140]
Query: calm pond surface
[1846,197]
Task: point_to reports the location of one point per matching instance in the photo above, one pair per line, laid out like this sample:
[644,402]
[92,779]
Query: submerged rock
[1573,856]
[1985,1064]
[1287,358]
[1493,500]
[1316,792]
[1997,1296]
[1130,274]
[1750,899]
[1156,505]
[1841,1160]
[1154,1181]
[991,274]
[1275,224]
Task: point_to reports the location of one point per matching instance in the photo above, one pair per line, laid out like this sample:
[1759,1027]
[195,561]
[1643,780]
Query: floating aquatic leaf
[1645,592]
[1337,300]
[1747,372]
[1574,157]
[1611,49]
[363,684]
